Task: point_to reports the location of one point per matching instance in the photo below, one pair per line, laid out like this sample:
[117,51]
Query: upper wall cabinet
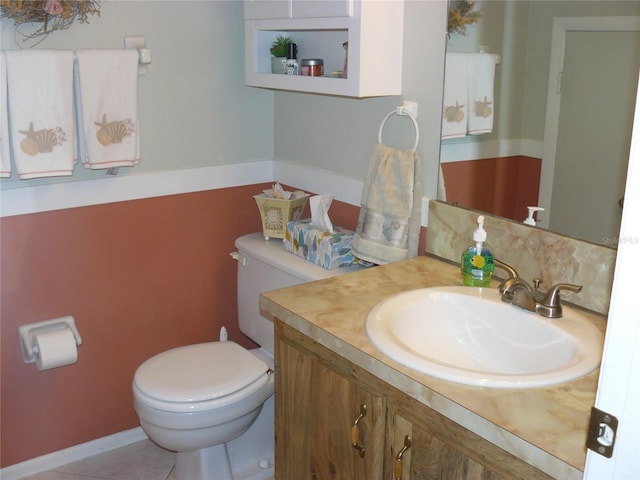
[262,9]
[372,28]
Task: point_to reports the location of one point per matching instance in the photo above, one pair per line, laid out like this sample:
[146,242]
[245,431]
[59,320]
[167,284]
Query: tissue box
[277,212]
[329,250]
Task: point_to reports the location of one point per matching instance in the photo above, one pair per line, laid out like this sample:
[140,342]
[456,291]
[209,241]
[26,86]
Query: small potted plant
[279,49]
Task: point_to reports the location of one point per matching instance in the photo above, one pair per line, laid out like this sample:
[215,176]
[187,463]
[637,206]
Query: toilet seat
[200,377]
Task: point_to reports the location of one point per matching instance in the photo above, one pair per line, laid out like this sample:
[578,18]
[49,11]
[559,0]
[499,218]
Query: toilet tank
[265,265]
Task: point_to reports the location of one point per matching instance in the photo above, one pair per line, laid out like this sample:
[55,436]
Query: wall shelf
[373,29]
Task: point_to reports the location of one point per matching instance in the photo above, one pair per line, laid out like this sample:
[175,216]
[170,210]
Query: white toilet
[212,403]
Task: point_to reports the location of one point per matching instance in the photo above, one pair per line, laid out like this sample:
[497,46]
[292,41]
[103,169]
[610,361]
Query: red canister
[312,67]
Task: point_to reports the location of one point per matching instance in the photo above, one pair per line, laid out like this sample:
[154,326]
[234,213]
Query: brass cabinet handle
[397,466]
[355,432]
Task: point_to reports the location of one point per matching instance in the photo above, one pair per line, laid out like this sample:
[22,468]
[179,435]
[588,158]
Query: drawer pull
[397,466]
[355,431]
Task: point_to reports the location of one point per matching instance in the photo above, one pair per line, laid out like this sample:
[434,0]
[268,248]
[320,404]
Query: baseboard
[72,454]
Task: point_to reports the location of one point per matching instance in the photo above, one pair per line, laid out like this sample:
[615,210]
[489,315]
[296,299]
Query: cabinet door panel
[434,459]
[326,8]
[316,408]
[336,403]
[429,458]
[293,396]
[262,9]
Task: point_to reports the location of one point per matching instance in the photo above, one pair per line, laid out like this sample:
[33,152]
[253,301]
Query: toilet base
[248,457]
[207,463]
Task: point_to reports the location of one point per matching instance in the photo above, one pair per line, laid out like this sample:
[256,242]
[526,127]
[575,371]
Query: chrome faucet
[518,292]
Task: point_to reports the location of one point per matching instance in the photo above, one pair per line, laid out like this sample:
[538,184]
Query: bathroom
[141,260]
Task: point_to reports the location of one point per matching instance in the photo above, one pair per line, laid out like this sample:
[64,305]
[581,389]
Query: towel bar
[139,42]
[402,111]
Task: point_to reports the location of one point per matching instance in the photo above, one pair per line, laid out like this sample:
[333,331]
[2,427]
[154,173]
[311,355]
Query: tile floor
[138,461]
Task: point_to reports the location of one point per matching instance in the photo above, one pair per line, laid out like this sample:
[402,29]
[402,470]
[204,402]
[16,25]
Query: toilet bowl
[212,403]
[200,395]
[196,398]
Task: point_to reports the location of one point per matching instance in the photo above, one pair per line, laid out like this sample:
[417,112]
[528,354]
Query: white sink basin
[468,335]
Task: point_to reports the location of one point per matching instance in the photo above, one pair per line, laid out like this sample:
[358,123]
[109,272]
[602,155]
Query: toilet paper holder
[29,331]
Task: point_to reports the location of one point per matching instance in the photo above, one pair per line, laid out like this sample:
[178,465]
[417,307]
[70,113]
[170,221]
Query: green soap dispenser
[477,261]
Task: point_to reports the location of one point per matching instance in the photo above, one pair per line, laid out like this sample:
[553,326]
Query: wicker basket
[276,212]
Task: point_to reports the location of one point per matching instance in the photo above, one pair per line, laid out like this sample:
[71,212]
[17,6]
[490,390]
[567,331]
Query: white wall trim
[108,189]
[57,196]
[462,151]
[72,454]
[345,189]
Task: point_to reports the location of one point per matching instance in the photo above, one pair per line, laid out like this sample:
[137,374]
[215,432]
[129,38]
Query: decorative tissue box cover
[329,250]
[277,212]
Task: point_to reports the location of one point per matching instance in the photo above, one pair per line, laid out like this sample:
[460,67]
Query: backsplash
[532,251]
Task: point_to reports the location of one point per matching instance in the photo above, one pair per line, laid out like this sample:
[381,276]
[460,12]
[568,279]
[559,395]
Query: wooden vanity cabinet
[319,395]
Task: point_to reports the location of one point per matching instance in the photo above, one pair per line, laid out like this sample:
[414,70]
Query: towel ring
[401,111]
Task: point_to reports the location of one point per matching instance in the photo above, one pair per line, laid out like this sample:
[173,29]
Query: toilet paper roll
[56,348]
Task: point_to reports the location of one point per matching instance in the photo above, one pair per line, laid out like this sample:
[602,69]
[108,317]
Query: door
[618,386]
[594,134]
[592,85]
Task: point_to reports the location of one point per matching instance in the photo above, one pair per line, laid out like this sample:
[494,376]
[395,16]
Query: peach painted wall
[502,186]
[139,277]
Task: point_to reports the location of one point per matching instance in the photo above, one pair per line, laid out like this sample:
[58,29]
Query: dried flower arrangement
[461,14]
[53,14]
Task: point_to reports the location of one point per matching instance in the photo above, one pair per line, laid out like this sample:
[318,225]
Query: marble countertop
[545,426]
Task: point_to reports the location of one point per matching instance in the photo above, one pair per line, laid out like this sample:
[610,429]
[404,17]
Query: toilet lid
[196,373]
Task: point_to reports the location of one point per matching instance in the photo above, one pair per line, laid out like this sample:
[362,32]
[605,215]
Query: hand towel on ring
[389,222]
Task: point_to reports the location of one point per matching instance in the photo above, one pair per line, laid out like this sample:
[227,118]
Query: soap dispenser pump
[477,261]
[530,220]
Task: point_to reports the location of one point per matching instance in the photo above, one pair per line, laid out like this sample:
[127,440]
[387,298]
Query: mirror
[530,158]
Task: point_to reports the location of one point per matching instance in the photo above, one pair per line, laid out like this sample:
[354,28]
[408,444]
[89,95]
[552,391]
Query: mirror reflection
[564,91]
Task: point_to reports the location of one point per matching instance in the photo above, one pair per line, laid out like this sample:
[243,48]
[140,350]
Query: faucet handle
[552,308]
[552,299]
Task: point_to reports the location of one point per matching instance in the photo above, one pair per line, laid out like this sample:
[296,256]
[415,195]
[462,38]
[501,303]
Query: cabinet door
[272,9]
[315,413]
[428,457]
[263,9]
[326,8]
